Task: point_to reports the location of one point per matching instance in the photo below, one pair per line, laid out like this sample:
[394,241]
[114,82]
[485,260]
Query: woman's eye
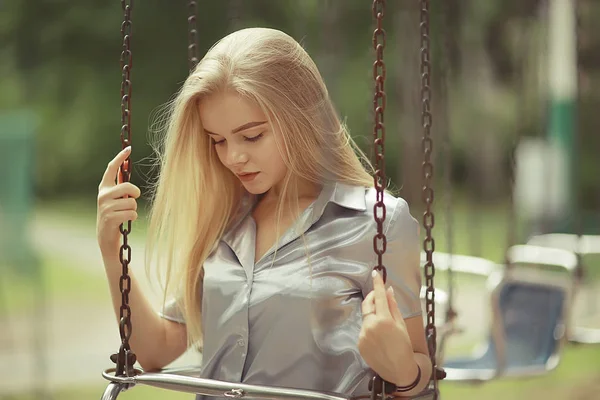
[247,139]
[253,139]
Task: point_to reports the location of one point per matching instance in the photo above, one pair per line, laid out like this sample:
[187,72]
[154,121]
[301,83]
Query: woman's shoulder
[365,200]
[393,203]
[357,229]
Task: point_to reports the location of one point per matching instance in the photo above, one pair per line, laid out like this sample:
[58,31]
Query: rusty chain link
[125,358]
[377,385]
[192,35]
[428,194]
[379,102]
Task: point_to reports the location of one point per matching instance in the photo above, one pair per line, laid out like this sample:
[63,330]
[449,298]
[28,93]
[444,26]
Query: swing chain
[379,102]
[427,170]
[377,386]
[193,35]
[126,62]
[125,358]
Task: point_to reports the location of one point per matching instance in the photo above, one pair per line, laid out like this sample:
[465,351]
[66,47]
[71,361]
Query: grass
[576,377]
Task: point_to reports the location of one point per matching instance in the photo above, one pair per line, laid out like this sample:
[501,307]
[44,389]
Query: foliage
[61,59]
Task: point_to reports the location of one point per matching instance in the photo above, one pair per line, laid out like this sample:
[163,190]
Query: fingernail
[374,273]
[127,149]
[391,290]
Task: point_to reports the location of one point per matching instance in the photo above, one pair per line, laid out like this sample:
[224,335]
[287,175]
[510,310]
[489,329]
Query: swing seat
[185,380]
[582,245]
[527,330]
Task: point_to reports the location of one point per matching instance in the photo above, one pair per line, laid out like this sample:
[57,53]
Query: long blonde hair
[195,197]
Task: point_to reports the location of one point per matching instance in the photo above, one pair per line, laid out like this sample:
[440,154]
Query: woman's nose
[236,157]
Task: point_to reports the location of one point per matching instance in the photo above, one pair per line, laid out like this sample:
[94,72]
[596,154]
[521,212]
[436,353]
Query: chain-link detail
[379,178]
[192,35]
[379,102]
[427,170]
[125,357]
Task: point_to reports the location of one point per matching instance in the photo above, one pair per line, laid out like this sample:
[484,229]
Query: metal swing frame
[185,380]
[125,375]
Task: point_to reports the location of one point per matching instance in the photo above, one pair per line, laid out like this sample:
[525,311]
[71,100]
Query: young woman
[263,217]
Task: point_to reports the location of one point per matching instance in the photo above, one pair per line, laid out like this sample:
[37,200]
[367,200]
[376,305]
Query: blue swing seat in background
[529,309]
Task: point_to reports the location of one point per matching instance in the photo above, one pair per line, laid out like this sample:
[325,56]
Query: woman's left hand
[384,342]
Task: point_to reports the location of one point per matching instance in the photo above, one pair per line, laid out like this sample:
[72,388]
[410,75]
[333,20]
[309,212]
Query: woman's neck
[306,190]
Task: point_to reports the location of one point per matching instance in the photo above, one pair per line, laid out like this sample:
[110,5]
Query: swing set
[529,303]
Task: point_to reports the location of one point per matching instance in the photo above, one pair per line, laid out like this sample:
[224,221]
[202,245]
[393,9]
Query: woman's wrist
[409,375]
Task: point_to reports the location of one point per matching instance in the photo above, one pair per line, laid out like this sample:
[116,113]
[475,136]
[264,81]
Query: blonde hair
[195,197]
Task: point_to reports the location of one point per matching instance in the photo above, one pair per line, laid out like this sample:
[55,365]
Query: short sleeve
[402,260]
[172,312]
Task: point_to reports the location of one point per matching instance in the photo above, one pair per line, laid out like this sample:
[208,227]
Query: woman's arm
[393,336]
[155,341]
[407,375]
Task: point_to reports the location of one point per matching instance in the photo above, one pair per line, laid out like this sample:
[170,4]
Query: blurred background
[516,94]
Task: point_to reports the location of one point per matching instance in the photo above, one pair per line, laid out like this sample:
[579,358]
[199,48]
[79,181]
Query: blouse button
[240,342]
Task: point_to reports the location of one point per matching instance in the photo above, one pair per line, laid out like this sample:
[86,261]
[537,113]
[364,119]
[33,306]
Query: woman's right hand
[116,204]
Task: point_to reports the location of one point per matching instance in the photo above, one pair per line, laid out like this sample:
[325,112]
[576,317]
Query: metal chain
[427,170]
[377,386]
[192,36]
[125,358]
[379,102]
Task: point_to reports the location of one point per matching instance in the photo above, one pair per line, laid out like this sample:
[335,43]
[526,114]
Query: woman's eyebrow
[241,128]
[248,126]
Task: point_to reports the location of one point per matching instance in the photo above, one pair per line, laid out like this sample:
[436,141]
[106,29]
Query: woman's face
[244,141]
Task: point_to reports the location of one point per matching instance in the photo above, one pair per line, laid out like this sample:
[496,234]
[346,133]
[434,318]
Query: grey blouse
[293,323]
